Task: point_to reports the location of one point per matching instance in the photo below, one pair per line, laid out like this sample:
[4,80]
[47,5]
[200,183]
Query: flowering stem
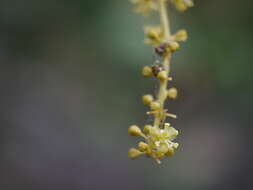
[162,94]
[159,136]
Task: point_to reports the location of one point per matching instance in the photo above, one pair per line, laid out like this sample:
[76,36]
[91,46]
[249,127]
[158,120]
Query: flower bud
[155,106]
[154,34]
[162,149]
[155,133]
[147,128]
[142,146]
[174,132]
[162,76]
[147,71]
[189,3]
[170,151]
[172,93]
[133,153]
[174,46]
[147,99]
[134,130]
[183,5]
[166,125]
[181,36]
[175,145]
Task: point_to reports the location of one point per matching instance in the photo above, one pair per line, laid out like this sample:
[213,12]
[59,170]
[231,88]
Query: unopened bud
[142,146]
[147,99]
[170,151]
[133,153]
[175,145]
[162,75]
[134,130]
[174,46]
[147,71]
[147,128]
[172,93]
[181,36]
[155,105]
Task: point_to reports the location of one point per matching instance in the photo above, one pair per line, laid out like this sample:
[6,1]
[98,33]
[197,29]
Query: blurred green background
[71,85]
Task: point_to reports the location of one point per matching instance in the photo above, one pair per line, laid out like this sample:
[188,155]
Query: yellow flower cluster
[183,5]
[145,6]
[154,35]
[158,137]
[158,141]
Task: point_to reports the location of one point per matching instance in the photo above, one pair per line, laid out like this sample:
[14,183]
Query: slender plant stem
[162,94]
[164,17]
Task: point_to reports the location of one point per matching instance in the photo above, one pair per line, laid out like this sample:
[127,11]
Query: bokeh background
[70,86]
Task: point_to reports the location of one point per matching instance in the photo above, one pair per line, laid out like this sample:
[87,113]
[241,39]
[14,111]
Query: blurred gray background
[70,86]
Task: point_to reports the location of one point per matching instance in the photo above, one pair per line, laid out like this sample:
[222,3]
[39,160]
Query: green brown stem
[162,94]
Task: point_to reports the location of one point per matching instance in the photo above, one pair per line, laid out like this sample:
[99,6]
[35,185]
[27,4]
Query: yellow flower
[145,6]
[183,5]
[172,93]
[154,35]
[181,36]
[158,143]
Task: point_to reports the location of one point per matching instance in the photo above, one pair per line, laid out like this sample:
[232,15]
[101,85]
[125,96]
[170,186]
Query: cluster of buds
[158,142]
[158,137]
[183,5]
[145,7]
[155,36]
[155,71]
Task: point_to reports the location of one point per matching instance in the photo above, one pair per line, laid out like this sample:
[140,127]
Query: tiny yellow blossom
[158,143]
[154,35]
[173,46]
[183,5]
[142,146]
[170,152]
[181,36]
[134,130]
[147,71]
[147,128]
[162,75]
[155,105]
[134,153]
[145,6]
[147,99]
[172,93]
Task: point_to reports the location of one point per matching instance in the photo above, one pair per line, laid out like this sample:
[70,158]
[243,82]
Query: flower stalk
[159,136]
[162,94]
